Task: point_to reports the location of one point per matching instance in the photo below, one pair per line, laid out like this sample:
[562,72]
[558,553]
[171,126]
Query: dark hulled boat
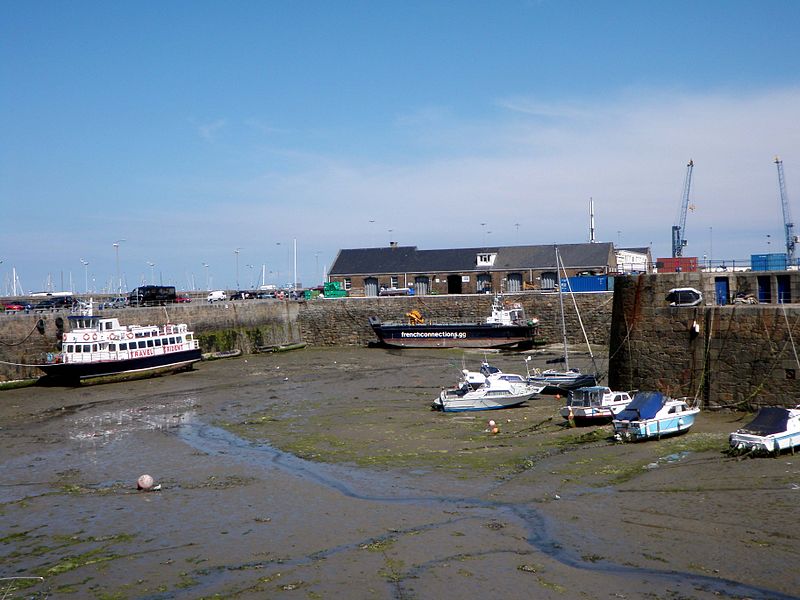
[507,327]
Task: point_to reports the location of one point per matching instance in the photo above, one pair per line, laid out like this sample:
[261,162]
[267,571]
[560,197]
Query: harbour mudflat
[324,474]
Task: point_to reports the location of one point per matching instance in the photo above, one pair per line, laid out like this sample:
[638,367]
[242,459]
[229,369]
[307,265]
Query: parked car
[119,302]
[245,295]
[182,299]
[684,297]
[53,304]
[15,306]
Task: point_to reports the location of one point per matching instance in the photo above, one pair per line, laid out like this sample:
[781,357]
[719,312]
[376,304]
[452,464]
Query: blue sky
[191,129]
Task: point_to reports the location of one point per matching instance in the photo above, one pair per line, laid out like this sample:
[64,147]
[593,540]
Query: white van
[217,296]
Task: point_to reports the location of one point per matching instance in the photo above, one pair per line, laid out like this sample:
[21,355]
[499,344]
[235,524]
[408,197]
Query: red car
[182,299]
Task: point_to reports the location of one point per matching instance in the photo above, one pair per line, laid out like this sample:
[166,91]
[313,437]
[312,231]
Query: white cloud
[208,131]
[629,154]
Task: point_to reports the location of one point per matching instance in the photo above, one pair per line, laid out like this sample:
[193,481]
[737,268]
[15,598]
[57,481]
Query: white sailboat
[556,381]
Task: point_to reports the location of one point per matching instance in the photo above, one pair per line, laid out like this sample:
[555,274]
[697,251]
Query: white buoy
[145,482]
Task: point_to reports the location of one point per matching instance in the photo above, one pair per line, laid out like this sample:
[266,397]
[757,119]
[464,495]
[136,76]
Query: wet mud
[323,473]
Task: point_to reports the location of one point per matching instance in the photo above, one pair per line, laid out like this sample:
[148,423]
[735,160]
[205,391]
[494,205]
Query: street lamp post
[208,288]
[85,264]
[152,275]
[236,254]
[252,285]
[116,250]
[278,267]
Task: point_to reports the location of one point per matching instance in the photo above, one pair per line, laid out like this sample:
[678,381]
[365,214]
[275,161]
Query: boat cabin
[596,396]
[94,338]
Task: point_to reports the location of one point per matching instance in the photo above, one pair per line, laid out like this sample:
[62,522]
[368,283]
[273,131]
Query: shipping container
[678,264]
[768,262]
[586,283]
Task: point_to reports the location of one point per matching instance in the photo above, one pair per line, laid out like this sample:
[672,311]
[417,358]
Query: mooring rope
[789,329]
[25,339]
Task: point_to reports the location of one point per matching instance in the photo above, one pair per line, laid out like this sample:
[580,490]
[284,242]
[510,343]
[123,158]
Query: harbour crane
[678,239]
[788,225]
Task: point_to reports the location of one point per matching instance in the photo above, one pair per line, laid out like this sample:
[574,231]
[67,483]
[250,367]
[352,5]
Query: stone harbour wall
[736,356]
[248,324]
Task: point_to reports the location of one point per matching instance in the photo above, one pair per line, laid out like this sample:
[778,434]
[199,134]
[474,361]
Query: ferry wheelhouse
[97,346]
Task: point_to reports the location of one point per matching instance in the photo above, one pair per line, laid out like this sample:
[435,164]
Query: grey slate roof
[408,259]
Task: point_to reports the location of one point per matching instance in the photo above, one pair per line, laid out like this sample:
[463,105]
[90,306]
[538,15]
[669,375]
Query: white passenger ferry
[97,346]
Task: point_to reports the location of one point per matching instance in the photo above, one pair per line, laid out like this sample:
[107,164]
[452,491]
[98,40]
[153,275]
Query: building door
[548,280]
[764,292]
[514,282]
[484,285]
[784,289]
[422,285]
[721,290]
[454,284]
[370,286]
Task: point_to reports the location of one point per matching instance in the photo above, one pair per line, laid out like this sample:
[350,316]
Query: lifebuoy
[86,336]
[113,336]
[64,337]
[130,336]
[94,337]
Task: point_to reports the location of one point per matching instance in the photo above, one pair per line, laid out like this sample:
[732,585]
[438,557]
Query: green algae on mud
[415,438]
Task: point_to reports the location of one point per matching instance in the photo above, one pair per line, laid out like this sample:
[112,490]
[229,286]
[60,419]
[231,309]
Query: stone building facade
[369,271]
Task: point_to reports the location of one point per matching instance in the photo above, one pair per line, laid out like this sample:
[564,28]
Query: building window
[347,283]
[393,281]
[486,259]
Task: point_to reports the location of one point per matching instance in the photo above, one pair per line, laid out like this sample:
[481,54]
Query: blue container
[589,283]
[768,262]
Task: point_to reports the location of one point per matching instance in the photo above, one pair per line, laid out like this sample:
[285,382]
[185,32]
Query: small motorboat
[594,405]
[654,415]
[772,430]
[477,378]
[494,393]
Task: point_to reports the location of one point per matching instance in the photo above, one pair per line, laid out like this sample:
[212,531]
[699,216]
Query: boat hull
[588,416]
[77,372]
[462,405]
[558,385]
[764,443]
[454,335]
[654,428]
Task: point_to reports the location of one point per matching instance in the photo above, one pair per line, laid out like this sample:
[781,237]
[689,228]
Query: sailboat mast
[561,303]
